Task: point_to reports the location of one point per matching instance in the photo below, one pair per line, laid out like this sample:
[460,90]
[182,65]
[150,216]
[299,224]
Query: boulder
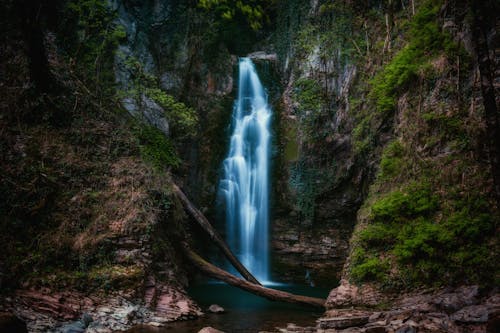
[454,301]
[214,308]
[350,295]
[471,314]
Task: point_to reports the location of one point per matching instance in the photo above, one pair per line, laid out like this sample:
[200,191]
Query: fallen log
[271,294]
[214,235]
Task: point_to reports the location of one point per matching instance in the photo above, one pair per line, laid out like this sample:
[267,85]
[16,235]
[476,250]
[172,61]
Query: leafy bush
[156,148]
[394,78]
[370,268]
[426,40]
[401,205]
[377,235]
[429,242]
[391,162]
[183,119]
[254,12]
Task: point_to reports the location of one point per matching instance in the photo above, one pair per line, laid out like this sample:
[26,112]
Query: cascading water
[245,186]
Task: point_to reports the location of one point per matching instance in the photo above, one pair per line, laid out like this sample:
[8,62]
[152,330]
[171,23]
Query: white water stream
[245,184]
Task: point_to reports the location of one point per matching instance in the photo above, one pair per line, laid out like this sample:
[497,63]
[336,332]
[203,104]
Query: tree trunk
[271,294]
[482,24]
[214,235]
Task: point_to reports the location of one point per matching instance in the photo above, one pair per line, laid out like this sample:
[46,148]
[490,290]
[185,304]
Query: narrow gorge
[336,159]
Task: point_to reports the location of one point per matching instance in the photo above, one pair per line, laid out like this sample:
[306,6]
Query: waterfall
[245,184]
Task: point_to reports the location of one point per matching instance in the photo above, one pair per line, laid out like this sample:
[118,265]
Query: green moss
[312,110]
[392,161]
[426,41]
[427,248]
[362,136]
[401,205]
[370,268]
[377,235]
[156,148]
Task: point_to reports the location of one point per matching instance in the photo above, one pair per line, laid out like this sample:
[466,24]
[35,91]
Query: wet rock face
[149,111]
[305,255]
[321,188]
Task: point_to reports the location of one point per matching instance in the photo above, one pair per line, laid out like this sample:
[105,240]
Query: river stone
[471,314]
[454,301]
[209,330]
[342,322]
[215,308]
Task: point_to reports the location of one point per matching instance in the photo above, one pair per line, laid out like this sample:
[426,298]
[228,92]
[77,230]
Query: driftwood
[214,235]
[271,294]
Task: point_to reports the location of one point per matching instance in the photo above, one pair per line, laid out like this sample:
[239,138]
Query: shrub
[156,148]
[426,40]
[392,160]
[401,205]
[371,268]
[183,119]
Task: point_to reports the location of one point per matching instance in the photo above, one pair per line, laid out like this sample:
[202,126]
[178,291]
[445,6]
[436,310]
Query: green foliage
[237,24]
[311,109]
[255,12]
[377,235]
[425,40]
[394,78]
[90,34]
[362,136]
[368,268]
[392,161]
[425,247]
[183,119]
[401,205]
[156,148]
[309,94]
[340,33]
[303,181]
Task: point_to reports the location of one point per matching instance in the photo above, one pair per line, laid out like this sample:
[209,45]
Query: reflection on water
[245,312]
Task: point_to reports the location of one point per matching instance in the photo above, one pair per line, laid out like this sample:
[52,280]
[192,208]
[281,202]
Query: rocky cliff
[383,111]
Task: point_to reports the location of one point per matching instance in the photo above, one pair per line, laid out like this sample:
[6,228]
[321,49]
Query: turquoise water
[245,312]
